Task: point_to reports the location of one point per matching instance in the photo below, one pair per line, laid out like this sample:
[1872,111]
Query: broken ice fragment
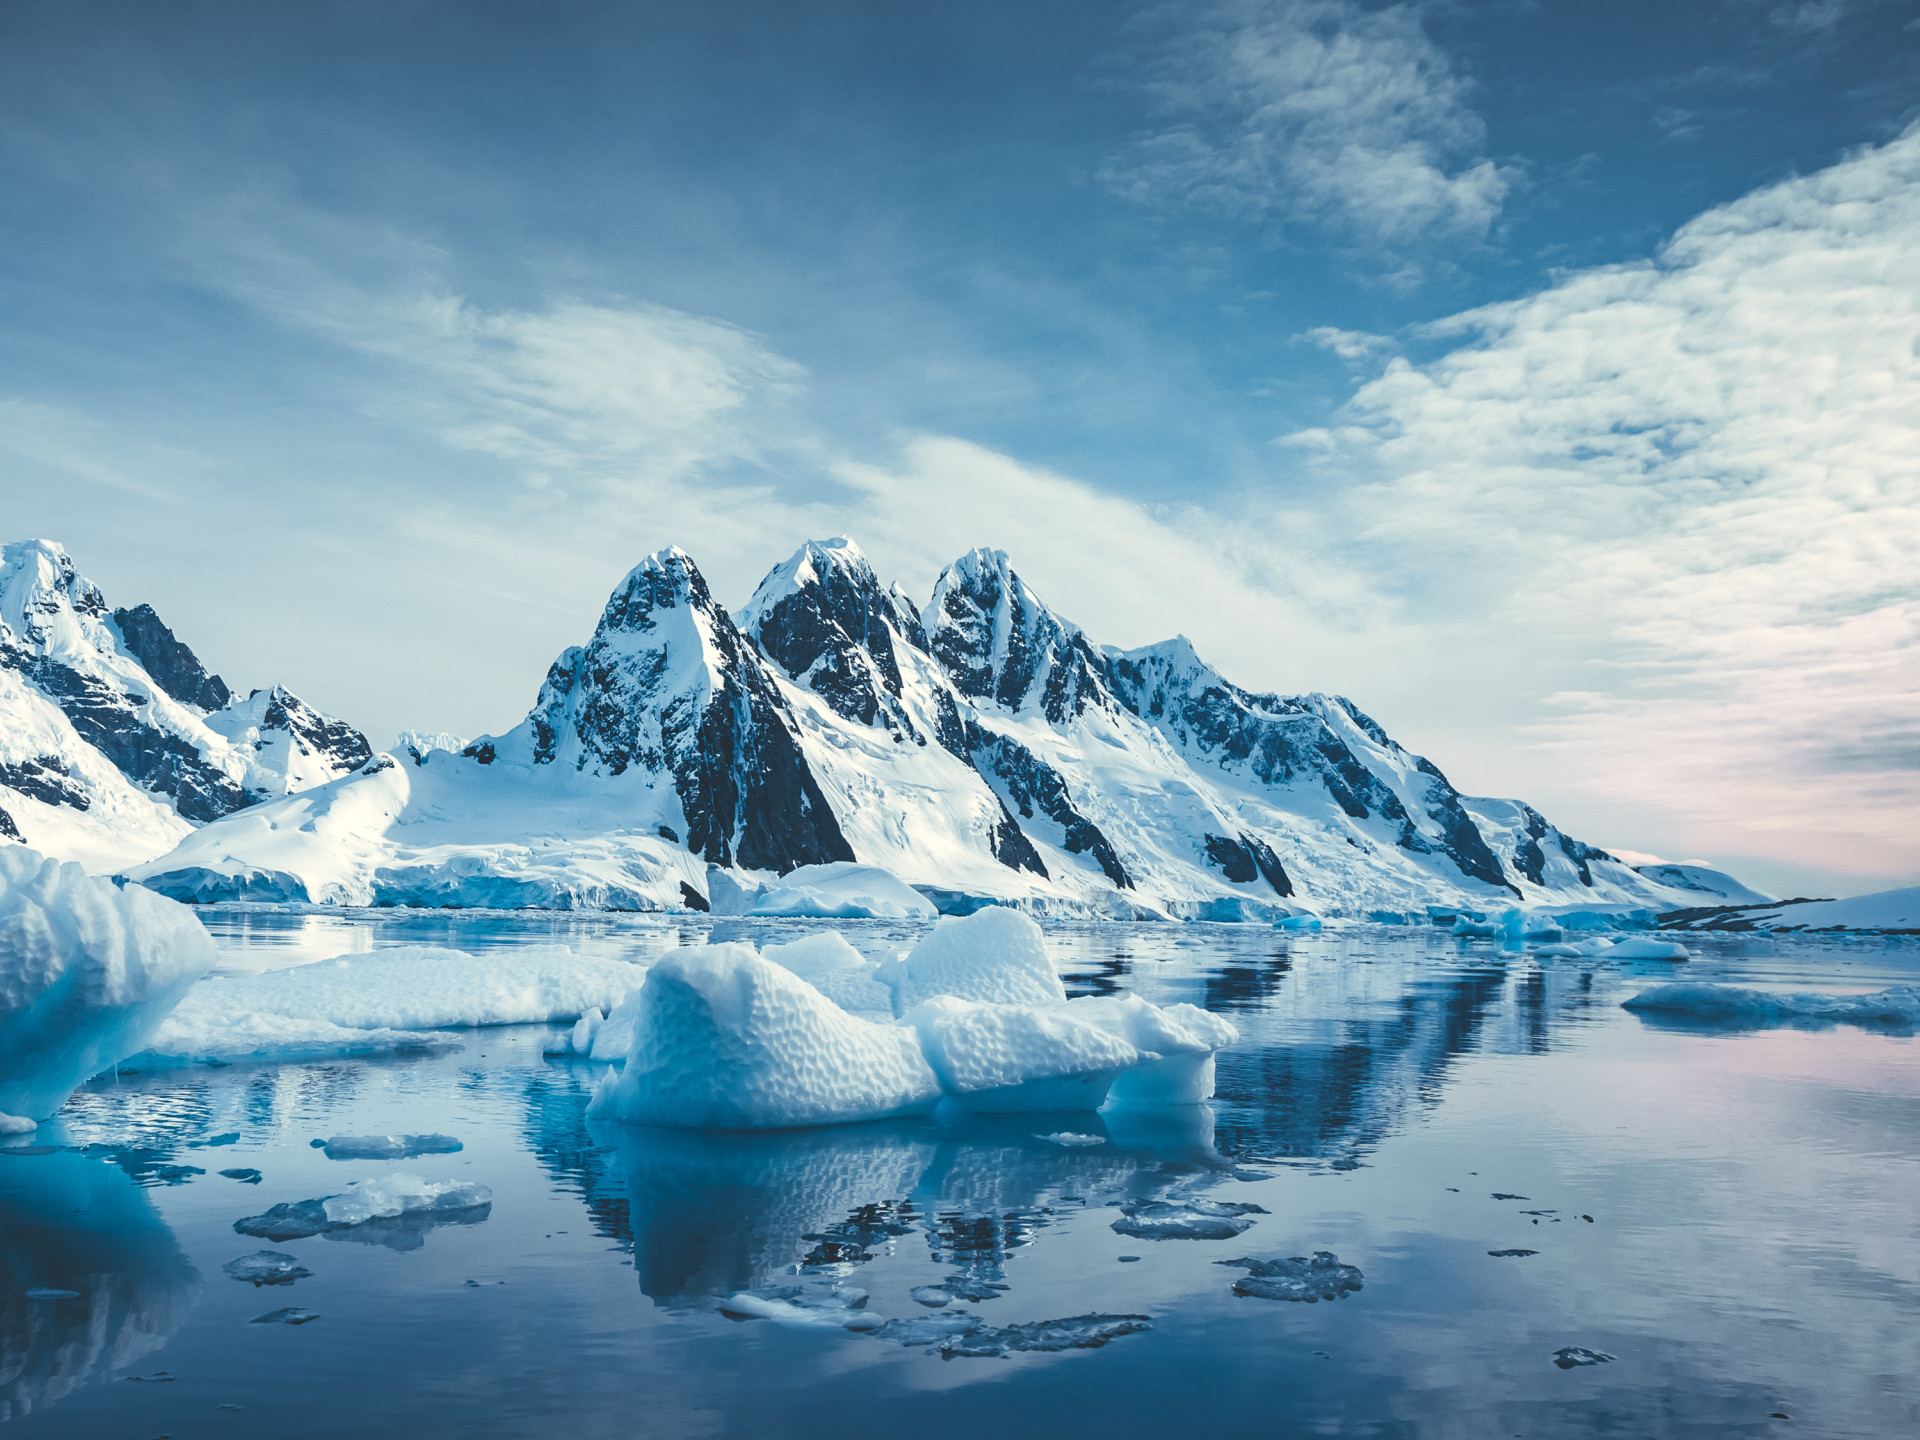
[289,1315]
[1504,1254]
[1298,1278]
[244,1176]
[47,1292]
[1186,1219]
[389,1147]
[796,1305]
[1070,1141]
[267,1267]
[1501,1195]
[385,1198]
[1572,1355]
[1077,1332]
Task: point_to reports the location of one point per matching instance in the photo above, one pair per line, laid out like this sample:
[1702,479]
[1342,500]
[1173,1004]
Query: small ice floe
[958,1287]
[1510,1254]
[1321,1277]
[843,890]
[798,1305]
[1645,947]
[1569,1357]
[47,1292]
[1070,1141]
[1186,1219]
[969,1335]
[1505,1195]
[267,1267]
[246,1175]
[17,1125]
[1297,922]
[287,1315]
[389,1147]
[1732,1005]
[1559,952]
[389,1197]
[1468,929]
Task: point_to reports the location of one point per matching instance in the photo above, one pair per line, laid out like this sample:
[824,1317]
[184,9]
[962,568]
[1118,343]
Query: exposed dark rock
[1030,785]
[1247,858]
[47,778]
[343,747]
[1000,645]
[8,829]
[693,899]
[174,667]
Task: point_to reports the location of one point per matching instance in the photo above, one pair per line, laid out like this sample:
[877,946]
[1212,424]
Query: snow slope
[1884,911]
[114,740]
[981,750]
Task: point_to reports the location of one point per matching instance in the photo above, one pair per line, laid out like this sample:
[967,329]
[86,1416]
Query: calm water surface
[1734,1217]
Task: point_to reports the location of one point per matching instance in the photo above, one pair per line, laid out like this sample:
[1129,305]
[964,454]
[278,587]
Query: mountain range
[980,748]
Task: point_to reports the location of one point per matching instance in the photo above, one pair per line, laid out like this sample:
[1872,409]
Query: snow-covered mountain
[981,747]
[114,740]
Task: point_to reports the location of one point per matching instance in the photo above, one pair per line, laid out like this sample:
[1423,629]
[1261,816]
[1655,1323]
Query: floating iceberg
[1730,1004]
[842,890]
[1019,1057]
[1177,1044]
[379,1000]
[726,1040]
[87,972]
[996,955]
[267,1267]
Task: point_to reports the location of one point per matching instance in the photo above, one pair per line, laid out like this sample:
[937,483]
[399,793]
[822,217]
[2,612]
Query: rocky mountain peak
[173,666]
[1001,645]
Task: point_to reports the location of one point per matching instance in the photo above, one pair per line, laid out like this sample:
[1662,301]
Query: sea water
[1540,1216]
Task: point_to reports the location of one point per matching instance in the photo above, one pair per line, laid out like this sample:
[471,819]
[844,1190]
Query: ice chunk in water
[838,971]
[1475,929]
[1066,1139]
[383,1198]
[1076,1332]
[1186,1219]
[1559,952]
[1177,1045]
[1297,922]
[87,973]
[1297,1277]
[1731,1004]
[1018,1057]
[289,1315]
[17,1125]
[1643,947]
[1570,1356]
[996,955]
[726,1040]
[267,1267]
[245,1174]
[389,1147]
[797,1305]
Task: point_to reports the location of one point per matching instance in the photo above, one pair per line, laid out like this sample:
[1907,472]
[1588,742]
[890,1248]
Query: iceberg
[1176,1043]
[842,890]
[378,1001]
[996,955]
[992,1057]
[389,1147]
[724,1039]
[87,973]
[1731,1004]
[1298,1278]
[1186,1219]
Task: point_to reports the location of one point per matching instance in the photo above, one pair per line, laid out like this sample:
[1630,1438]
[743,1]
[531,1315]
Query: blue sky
[1541,375]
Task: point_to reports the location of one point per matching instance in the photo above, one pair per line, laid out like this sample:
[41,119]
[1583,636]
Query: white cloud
[1311,110]
[1702,473]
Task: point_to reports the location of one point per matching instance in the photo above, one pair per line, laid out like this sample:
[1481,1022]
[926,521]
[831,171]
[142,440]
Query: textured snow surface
[842,891]
[838,971]
[724,1039]
[1019,1057]
[377,1000]
[87,972]
[1713,887]
[996,954]
[1735,1005]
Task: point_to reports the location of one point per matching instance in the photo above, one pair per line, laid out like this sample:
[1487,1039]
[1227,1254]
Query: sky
[1544,376]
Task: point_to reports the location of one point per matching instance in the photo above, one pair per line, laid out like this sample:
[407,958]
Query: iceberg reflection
[69,1223]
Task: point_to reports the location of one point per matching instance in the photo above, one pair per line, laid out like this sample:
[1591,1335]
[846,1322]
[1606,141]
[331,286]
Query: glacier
[830,749]
[88,971]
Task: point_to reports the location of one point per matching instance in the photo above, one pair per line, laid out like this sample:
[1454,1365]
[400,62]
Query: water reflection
[84,1234]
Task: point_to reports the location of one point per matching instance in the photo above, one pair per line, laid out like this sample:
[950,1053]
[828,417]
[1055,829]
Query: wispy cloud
[1700,471]
[1313,111]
